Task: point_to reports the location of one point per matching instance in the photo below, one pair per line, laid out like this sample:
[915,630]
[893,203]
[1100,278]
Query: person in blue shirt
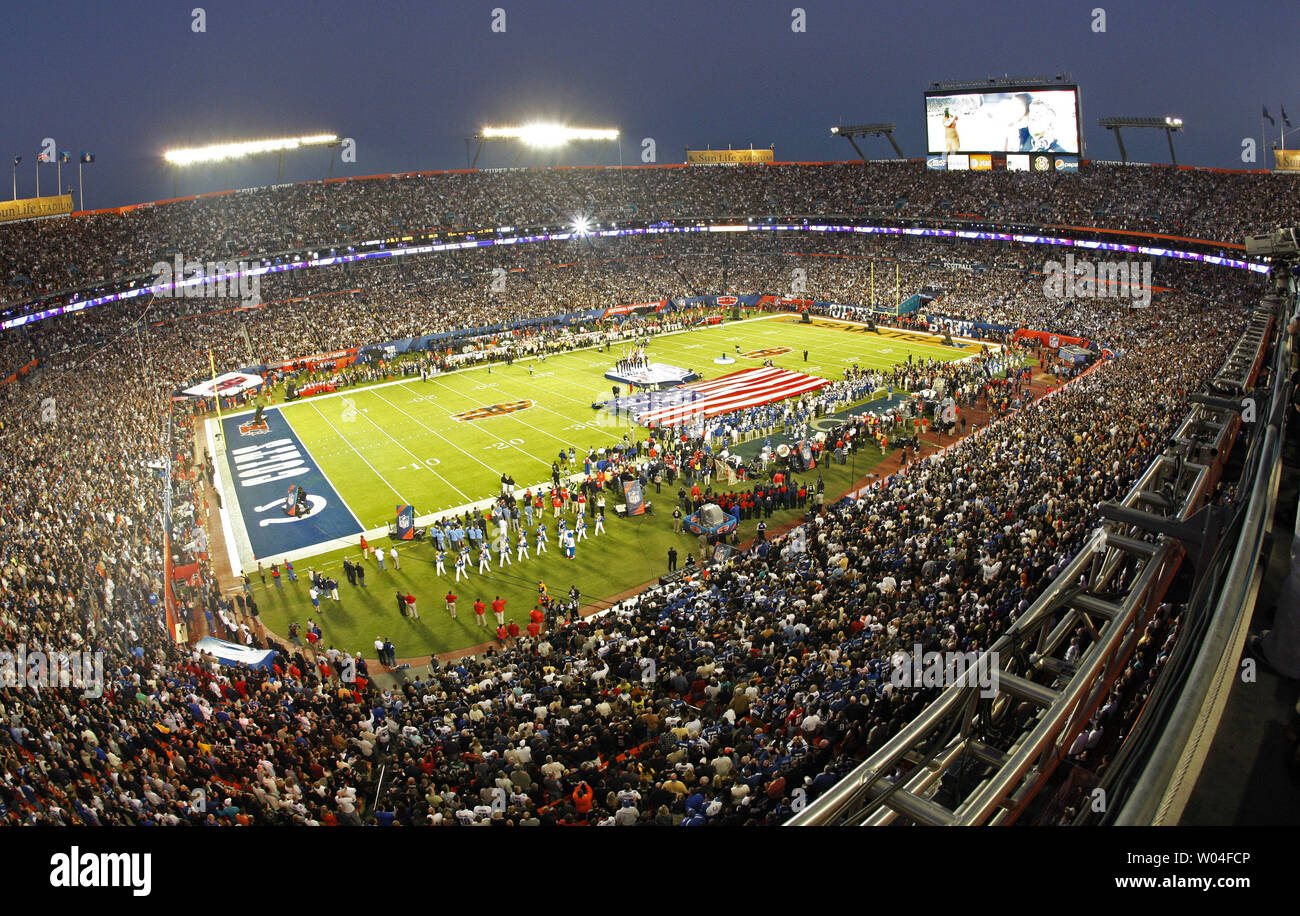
[693,819]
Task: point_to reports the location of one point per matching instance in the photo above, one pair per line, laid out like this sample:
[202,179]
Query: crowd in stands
[708,701]
[45,256]
[328,310]
[713,700]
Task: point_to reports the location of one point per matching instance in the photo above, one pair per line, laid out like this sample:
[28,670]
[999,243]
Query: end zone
[259,465]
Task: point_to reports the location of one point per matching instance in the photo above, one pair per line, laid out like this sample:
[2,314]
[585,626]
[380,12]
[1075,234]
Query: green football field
[398,443]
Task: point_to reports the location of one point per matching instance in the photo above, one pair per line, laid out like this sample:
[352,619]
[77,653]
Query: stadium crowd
[712,700]
[41,257]
[327,311]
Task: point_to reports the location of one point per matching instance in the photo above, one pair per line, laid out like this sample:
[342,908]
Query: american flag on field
[734,391]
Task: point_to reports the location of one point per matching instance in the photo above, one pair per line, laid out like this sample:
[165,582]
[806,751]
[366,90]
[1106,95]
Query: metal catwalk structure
[976,756]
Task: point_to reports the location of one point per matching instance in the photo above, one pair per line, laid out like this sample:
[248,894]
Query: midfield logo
[493,410]
[764,354]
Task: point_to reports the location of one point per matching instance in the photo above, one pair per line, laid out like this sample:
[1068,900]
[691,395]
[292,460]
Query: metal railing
[1194,707]
[990,755]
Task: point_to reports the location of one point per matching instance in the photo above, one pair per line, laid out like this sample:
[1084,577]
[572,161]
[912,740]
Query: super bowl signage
[268,462]
[228,384]
[633,307]
[848,312]
[958,326]
[491,410]
[285,503]
[765,353]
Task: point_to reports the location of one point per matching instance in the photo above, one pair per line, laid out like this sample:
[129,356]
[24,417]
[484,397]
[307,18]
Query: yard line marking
[359,455]
[417,458]
[551,390]
[562,416]
[450,412]
[566,417]
[495,472]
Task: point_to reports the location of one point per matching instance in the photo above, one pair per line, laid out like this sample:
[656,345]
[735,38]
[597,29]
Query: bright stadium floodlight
[541,135]
[581,225]
[548,135]
[222,151]
[225,152]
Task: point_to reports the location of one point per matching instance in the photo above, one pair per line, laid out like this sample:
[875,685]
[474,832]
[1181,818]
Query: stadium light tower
[878,129]
[228,152]
[1167,124]
[541,135]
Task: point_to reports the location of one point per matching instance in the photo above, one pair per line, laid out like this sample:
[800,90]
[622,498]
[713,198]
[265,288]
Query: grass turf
[388,444]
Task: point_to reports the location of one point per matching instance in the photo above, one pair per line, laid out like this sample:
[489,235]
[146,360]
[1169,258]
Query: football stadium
[576,487]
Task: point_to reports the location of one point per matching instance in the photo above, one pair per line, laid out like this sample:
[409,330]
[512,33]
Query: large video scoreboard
[1031,129]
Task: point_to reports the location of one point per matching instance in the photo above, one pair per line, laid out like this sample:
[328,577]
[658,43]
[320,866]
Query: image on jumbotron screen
[1018,121]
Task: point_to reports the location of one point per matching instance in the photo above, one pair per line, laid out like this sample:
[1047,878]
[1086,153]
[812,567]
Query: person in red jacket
[582,798]
[513,629]
[776,788]
[480,612]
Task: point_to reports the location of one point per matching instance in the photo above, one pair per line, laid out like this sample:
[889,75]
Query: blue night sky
[410,80]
